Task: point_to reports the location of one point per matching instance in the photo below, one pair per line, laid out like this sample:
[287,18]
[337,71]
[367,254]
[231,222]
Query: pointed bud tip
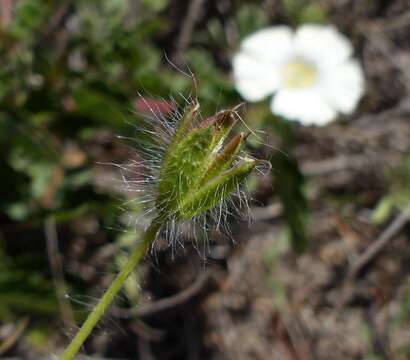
[245,136]
[238,107]
[225,118]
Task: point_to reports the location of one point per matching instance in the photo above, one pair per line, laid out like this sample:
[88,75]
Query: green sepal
[223,160]
[185,124]
[215,190]
[182,166]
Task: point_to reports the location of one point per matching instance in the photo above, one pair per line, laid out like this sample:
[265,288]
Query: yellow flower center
[298,73]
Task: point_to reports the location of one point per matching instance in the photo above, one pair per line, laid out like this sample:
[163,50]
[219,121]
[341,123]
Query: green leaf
[251,18]
[99,107]
[301,11]
[155,5]
[397,193]
[24,289]
[383,210]
[313,13]
[404,310]
[289,183]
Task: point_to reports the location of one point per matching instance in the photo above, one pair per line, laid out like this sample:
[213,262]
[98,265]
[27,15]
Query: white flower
[310,71]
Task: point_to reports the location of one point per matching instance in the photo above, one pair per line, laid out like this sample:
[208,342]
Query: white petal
[343,86]
[306,106]
[254,80]
[270,45]
[322,45]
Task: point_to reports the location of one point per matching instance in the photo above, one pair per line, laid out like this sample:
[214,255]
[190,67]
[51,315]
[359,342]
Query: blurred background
[323,270]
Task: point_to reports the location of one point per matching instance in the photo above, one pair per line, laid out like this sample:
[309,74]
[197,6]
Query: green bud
[197,172]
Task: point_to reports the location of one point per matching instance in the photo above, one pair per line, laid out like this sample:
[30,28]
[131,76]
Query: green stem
[109,295]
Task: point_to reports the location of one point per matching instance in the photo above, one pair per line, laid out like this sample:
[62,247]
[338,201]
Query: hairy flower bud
[197,172]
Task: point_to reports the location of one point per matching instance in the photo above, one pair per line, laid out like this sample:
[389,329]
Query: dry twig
[380,242]
[166,303]
[11,340]
[188,25]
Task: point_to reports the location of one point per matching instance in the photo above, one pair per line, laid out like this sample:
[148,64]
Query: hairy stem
[109,295]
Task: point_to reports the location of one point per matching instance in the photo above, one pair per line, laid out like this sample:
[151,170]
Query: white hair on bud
[140,177]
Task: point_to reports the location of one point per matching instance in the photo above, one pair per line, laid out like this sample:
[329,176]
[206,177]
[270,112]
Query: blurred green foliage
[70,75]
[404,313]
[23,289]
[289,183]
[302,11]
